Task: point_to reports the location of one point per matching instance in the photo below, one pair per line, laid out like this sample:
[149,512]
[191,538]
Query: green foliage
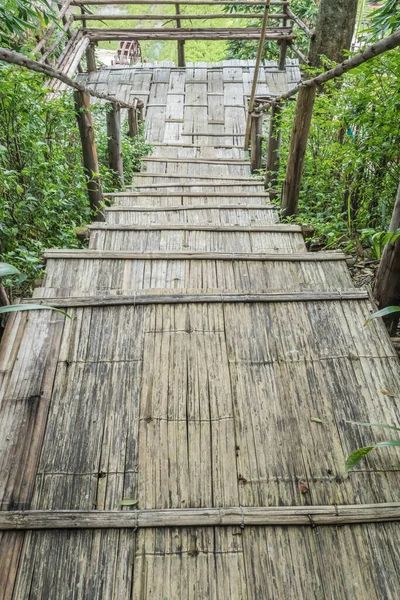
[384,312]
[5,270]
[42,184]
[20,18]
[378,239]
[352,165]
[307,10]
[384,20]
[356,456]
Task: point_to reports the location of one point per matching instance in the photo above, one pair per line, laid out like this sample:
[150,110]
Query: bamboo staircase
[205,381]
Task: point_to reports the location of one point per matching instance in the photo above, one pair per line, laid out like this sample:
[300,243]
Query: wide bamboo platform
[208,373]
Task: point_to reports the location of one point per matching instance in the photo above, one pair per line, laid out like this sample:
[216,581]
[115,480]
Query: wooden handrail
[388,43]
[172,2]
[21,60]
[256,69]
[177,17]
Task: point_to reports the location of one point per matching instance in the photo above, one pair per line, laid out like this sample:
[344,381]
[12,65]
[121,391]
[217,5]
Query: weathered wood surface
[187,33]
[210,363]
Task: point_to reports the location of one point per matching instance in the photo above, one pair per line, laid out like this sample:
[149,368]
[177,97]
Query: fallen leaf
[128,502]
[387,392]
[315,420]
[303,487]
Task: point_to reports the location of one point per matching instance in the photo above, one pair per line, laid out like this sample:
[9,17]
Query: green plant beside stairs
[7,270]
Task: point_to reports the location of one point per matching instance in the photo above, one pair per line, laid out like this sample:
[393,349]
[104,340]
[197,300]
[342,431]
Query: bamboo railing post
[387,288]
[115,142]
[181,43]
[256,69]
[256,141]
[283,46]
[273,150]
[133,126]
[91,58]
[90,161]
[298,145]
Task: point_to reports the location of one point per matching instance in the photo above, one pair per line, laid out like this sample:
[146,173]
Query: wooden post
[141,114]
[181,43]
[387,288]
[283,46]
[256,141]
[273,150]
[133,128]
[297,152]
[91,58]
[90,161]
[114,142]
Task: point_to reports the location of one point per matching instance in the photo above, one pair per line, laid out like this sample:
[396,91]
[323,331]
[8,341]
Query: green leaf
[129,502]
[359,454]
[18,307]
[315,420]
[382,426]
[6,269]
[384,312]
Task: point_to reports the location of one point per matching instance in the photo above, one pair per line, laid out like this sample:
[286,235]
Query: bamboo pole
[388,43]
[283,46]
[177,17]
[115,142]
[181,43]
[172,2]
[256,69]
[90,161]
[133,126]
[273,151]
[256,142]
[299,22]
[20,60]
[308,516]
[297,152]
[91,58]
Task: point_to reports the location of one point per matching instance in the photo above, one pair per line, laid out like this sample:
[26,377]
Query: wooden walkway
[211,362]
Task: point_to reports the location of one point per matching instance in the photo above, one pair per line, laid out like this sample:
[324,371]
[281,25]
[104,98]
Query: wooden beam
[299,22]
[273,150]
[193,255]
[196,161]
[309,516]
[133,125]
[89,152]
[171,3]
[16,58]
[133,193]
[279,228]
[298,145]
[190,207]
[239,33]
[177,17]
[115,142]
[388,43]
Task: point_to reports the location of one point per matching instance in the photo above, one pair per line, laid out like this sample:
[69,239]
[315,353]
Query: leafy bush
[20,19]
[352,166]
[42,185]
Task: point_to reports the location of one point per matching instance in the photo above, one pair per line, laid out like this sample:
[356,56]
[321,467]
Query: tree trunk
[387,289]
[333,31]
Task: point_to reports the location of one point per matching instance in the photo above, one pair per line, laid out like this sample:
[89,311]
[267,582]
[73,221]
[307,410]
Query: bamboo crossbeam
[299,22]
[192,255]
[240,33]
[183,227]
[180,17]
[174,2]
[388,43]
[49,31]
[20,60]
[180,207]
[240,516]
[200,298]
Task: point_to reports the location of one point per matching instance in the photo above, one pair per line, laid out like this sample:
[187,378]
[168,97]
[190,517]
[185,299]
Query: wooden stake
[298,145]
[181,43]
[256,142]
[387,289]
[273,151]
[114,142]
[90,161]
[91,58]
[133,127]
